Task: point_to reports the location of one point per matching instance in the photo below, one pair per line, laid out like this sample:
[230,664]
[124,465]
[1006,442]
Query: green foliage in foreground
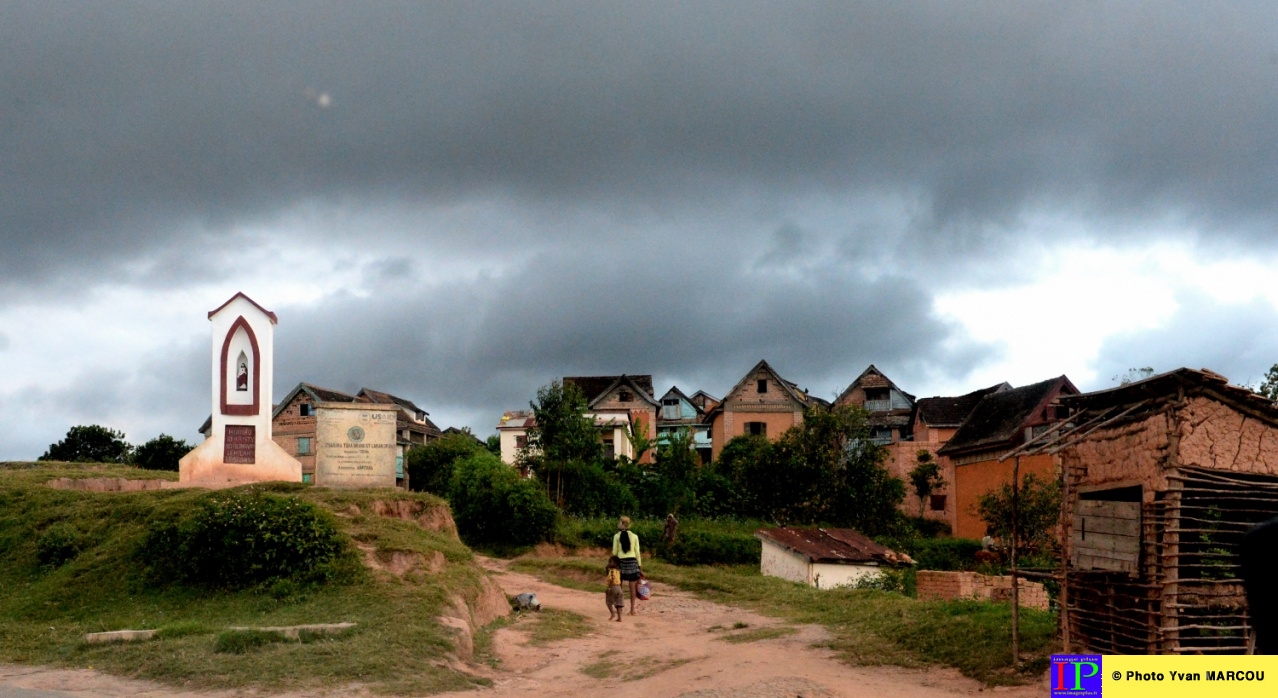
[161,453]
[493,504]
[67,567]
[869,627]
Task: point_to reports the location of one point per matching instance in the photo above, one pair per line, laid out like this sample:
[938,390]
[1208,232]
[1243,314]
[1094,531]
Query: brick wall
[932,584]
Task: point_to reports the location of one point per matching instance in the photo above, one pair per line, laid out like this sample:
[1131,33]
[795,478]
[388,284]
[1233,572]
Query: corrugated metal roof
[837,545]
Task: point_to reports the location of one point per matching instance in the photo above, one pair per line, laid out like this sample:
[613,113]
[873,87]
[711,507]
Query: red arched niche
[242,410]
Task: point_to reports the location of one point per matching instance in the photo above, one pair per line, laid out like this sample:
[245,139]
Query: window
[610,452]
[303,445]
[625,396]
[763,385]
[878,399]
[756,428]
[306,409]
[881,436]
[308,478]
[937,502]
[521,441]
[670,408]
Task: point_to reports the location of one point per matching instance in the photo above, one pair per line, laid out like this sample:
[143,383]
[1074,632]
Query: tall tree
[1269,386]
[562,432]
[1038,509]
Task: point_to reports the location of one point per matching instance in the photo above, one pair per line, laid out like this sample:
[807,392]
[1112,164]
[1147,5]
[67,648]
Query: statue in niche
[241,376]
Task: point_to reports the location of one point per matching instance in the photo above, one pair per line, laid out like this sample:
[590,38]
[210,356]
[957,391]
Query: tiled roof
[1000,418]
[837,545]
[593,386]
[951,411]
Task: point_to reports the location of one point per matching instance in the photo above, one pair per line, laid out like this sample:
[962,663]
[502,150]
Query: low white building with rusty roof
[824,557]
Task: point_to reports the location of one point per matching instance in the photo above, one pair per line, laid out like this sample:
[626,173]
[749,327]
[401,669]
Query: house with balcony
[680,413]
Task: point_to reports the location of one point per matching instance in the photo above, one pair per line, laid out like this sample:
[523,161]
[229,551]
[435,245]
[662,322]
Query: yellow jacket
[634,547]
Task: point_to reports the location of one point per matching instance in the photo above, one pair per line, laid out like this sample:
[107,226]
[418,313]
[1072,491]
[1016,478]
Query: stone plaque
[355,446]
[241,444]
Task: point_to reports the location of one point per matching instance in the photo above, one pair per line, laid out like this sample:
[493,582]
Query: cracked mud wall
[1214,435]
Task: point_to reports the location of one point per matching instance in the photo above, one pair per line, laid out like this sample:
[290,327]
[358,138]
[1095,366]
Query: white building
[824,557]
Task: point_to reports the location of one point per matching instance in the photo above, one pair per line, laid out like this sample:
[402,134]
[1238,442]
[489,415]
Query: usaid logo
[1075,675]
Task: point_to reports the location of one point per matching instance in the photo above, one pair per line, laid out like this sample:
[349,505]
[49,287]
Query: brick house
[293,423]
[1001,422]
[890,407]
[761,403]
[933,423]
[611,397]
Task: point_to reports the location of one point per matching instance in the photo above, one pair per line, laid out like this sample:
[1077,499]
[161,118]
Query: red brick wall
[932,584]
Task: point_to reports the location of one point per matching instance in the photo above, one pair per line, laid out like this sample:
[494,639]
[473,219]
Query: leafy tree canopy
[430,466]
[562,431]
[1269,386]
[161,453]
[90,444]
[1038,505]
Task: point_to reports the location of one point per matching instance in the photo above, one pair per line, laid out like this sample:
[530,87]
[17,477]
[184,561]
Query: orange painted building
[1000,422]
[933,424]
[762,403]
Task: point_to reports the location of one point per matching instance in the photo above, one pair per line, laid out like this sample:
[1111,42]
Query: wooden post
[1016,596]
[1067,523]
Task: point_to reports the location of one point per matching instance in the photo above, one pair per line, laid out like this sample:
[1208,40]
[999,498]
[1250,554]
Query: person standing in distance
[625,545]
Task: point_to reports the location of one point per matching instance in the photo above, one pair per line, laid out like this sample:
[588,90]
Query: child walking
[614,597]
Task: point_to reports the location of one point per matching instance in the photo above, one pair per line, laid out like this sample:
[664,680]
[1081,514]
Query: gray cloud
[128,123]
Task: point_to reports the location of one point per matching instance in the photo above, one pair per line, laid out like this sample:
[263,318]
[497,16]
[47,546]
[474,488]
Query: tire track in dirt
[669,649]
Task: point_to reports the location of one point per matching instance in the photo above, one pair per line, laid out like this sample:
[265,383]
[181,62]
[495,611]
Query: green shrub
[161,453]
[946,554]
[588,490]
[59,544]
[245,641]
[237,540]
[493,504]
[430,467]
[699,542]
[900,581]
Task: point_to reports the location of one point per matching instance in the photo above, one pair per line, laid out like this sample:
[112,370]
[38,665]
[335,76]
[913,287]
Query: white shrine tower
[239,448]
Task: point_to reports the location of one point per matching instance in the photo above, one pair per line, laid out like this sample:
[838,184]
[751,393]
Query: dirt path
[670,649]
[673,648]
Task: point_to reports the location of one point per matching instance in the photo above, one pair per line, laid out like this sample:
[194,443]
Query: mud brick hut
[1162,478]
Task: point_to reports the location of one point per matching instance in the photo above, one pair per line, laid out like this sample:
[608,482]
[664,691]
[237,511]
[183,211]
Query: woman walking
[625,545]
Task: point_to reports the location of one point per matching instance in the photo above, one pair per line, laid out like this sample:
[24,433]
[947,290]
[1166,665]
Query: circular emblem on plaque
[355,434]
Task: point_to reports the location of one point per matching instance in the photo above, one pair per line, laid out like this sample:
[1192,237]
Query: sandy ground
[671,648]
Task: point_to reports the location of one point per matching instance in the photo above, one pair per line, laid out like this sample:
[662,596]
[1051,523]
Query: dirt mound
[431,518]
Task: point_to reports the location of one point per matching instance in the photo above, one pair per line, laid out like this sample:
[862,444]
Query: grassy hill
[71,563]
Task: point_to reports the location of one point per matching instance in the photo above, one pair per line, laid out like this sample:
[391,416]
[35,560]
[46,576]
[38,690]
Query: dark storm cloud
[126,124]
[1236,340]
[483,347]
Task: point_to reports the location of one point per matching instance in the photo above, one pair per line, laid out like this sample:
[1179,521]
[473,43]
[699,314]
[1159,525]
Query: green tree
[926,477]
[1269,386]
[825,470]
[90,444]
[430,466]
[492,503]
[493,444]
[161,453]
[1038,507]
[562,432]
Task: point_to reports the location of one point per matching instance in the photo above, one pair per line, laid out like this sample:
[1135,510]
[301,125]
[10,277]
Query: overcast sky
[459,202]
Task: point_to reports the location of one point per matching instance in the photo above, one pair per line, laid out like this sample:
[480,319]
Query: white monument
[239,448]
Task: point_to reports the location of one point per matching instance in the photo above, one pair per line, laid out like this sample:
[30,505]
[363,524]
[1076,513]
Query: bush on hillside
[236,540]
[59,544]
[161,453]
[493,504]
